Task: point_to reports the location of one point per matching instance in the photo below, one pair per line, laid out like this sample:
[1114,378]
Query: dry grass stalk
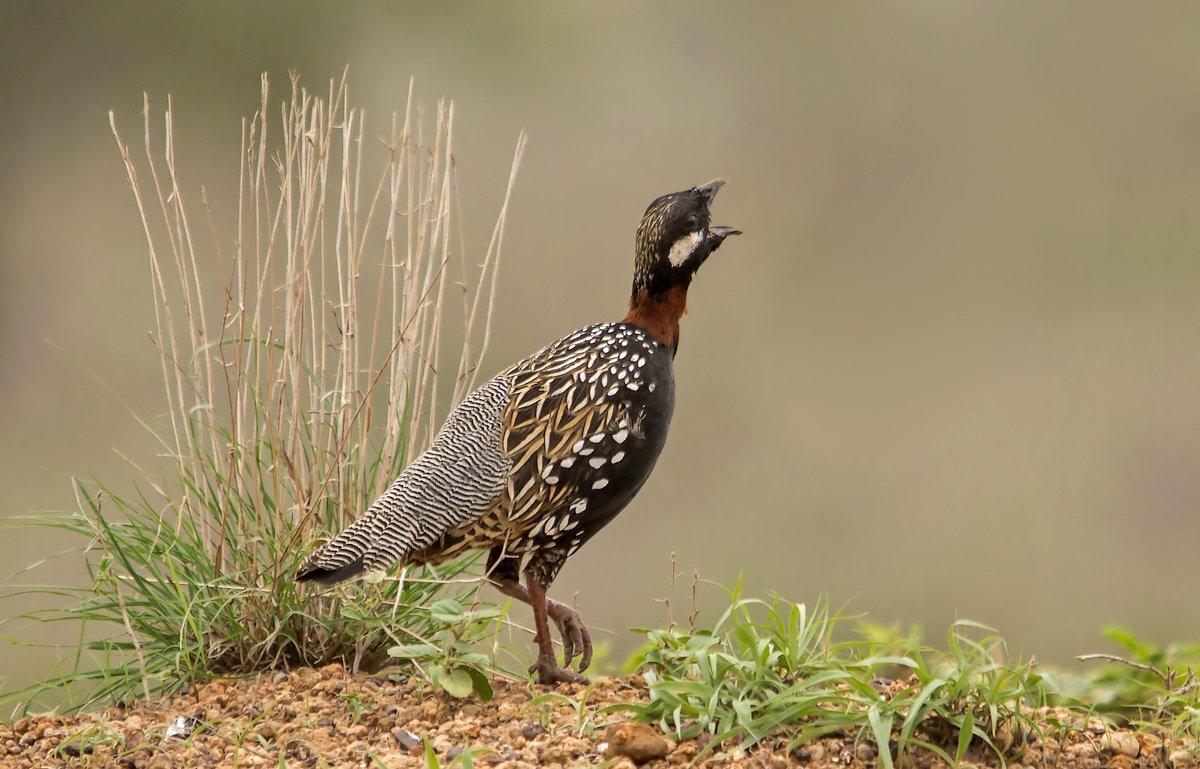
[301,365]
[290,366]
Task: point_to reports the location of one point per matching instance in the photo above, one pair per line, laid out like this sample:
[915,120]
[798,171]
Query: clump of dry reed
[306,357]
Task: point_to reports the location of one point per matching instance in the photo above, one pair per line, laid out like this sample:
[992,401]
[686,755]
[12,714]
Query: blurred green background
[950,369]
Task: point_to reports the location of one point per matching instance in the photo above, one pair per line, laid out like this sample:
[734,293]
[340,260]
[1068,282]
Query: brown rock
[636,741]
[865,752]
[1181,758]
[1080,749]
[1120,761]
[1121,743]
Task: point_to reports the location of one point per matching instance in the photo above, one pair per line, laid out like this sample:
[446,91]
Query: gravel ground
[329,718]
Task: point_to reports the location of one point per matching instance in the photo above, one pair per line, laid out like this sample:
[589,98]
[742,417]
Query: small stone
[407,739]
[182,728]
[1120,761]
[636,741]
[865,752]
[297,750]
[1121,743]
[1180,758]
[1080,749]
[530,731]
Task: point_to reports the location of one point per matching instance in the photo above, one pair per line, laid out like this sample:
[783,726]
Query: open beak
[717,234]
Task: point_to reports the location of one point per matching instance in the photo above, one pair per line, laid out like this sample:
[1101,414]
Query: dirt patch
[329,718]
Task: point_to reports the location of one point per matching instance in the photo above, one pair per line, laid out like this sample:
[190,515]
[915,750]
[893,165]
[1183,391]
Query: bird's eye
[693,222]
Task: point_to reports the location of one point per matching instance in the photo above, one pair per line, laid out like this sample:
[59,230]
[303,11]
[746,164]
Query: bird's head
[676,237]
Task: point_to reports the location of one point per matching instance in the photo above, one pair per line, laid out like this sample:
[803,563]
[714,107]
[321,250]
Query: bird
[533,463]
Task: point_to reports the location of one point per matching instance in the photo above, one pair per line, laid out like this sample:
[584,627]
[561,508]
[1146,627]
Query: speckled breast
[587,420]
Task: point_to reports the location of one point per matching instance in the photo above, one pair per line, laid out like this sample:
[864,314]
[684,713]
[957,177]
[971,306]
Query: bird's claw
[549,673]
[576,639]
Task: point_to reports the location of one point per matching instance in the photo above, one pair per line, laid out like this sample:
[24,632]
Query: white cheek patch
[684,247]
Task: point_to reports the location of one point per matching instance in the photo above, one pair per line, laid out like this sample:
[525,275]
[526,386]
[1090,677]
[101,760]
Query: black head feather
[675,238]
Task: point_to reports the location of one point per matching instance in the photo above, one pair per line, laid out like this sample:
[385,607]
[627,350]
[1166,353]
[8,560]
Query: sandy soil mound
[329,718]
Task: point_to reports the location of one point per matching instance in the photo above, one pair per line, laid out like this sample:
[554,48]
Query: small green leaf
[446,610]
[881,729]
[431,759]
[457,683]
[916,711]
[965,731]
[481,684]
[409,651]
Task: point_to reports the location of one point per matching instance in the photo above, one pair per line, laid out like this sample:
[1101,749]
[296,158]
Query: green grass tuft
[789,674]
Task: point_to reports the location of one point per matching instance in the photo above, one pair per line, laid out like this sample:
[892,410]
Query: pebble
[1120,761]
[635,741]
[1181,758]
[407,739]
[865,752]
[1122,743]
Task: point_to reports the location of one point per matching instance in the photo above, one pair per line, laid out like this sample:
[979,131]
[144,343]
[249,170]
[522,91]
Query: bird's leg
[502,572]
[575,635]
[546,666]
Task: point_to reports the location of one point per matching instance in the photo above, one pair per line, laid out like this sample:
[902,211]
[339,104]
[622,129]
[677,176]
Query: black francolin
[535,462]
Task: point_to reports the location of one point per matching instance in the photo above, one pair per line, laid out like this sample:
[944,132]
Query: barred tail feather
[454,482]
[346,555]
[312,572]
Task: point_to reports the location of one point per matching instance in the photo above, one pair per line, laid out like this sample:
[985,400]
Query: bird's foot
[576,639]
[549,673]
